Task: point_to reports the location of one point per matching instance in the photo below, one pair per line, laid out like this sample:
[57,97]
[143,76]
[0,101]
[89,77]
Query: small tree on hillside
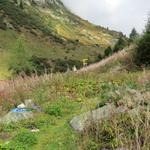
[108,52]
[21,4]
[19,61]
[98,58]
[133,35]
[120,44]
[15,1]
[143,49]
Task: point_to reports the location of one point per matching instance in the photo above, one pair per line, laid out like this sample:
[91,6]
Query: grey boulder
[15,117]
[79,123]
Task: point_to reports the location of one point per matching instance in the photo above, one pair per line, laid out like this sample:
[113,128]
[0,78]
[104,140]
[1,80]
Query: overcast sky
[120,15]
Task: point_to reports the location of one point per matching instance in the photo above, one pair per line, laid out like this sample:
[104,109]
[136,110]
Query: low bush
[23,140]
[54,110]
[40,121]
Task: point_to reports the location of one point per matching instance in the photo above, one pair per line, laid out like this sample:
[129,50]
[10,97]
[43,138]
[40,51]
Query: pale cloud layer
[120,15]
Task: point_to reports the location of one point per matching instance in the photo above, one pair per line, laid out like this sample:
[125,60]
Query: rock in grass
[14,116]
[30,104]
[22,112]
[21,106]
[79,123]
[35,130]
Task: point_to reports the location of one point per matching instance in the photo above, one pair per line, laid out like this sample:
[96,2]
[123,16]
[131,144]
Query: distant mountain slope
[51,32]
[51,17]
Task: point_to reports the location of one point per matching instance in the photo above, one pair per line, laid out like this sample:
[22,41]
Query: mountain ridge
[50,33]
[56,16]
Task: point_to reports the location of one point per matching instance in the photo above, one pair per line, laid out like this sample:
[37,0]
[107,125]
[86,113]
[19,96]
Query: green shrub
[2,24]
[23,140]
[98,58]
[82,88]
[5,147]
[120,44]
[105,98]
[105,86]
[9,127]
[61,107]
[92,145]
[19,61]
[54,110]
[39,122]
[108,93]
[41,65]
[108,52]
[132,85]
[62,65]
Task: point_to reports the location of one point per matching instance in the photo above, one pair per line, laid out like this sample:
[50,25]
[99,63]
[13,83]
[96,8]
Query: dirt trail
[114,57]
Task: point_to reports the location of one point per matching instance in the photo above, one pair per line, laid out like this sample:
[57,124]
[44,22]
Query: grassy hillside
[64,96]
[57,21]
[54,54]
[51,35]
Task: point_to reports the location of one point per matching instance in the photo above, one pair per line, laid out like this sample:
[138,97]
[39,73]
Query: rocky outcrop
[79,123]
[41,3]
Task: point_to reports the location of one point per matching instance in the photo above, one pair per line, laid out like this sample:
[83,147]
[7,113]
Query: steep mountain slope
[49,33]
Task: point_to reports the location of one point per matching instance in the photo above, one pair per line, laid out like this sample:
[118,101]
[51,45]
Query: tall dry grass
[130,131]
[19,85]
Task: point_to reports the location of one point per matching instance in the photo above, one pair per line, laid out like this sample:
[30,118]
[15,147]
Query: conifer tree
[19,61]
[108,52]
[133,35]
[143,49]
[21,4]
[120,44]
